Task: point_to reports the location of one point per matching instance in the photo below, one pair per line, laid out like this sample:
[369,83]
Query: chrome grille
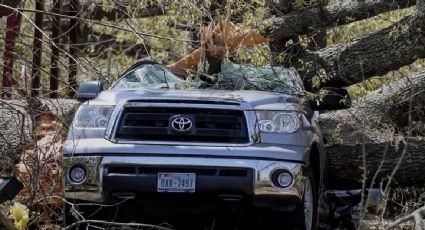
[209,125]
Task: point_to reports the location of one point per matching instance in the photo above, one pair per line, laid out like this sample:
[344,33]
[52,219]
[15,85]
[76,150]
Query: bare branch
[414,215]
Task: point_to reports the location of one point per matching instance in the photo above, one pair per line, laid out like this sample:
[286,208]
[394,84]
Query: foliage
[162,40]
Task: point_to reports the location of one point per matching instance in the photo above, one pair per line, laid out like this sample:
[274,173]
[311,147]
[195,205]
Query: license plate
[176,182]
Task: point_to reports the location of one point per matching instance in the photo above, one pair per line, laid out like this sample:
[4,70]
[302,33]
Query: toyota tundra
[243,144]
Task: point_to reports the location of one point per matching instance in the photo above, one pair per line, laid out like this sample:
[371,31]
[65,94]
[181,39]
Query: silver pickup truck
[162,145]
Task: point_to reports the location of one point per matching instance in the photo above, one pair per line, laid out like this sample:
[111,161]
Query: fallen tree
[310,20]
[383,128]
[375,132]
[18,122]
[375,54]
[340,65]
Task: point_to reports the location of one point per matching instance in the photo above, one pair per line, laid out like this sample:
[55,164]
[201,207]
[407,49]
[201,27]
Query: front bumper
[101,186]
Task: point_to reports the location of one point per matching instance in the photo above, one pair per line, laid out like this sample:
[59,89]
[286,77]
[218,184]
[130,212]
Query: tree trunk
[279,44]
[305,21]
[419,19]
[37,49]
[343,64]
[73,49]
[346,170]
[12,25]
[54,69]
[350,63]
[379,120]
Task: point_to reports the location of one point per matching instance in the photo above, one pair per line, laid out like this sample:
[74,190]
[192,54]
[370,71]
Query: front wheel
[304,216]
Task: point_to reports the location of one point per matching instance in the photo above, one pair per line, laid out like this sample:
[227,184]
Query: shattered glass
[266,78]
[232,77]
[150,76]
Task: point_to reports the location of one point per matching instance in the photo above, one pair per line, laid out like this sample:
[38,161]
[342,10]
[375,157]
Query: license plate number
[176,182]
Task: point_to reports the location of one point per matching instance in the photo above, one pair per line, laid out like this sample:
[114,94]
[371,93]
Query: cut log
[379,120]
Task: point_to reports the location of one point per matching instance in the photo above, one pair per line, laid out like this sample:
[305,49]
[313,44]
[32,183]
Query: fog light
[77,174]
[284,179]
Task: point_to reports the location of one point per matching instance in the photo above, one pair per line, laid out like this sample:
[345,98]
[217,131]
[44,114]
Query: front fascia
[264,191]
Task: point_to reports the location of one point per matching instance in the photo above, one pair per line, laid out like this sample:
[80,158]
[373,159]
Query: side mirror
[89,90]
[332,98]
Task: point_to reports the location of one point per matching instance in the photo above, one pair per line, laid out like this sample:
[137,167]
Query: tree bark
[345,164]
[350,63]
[12,25]
[379,120]
[73,49]
[37,49]
[305,21]
[54,69]
[419,19]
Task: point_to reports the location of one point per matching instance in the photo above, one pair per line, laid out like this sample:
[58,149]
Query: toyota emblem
[181,123]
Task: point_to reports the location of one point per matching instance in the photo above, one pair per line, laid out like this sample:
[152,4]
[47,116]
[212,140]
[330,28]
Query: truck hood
[258,100]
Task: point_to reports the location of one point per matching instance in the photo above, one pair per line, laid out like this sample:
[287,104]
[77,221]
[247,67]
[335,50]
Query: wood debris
[218,39]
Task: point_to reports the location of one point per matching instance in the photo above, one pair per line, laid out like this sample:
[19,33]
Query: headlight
[93,116]
[278,121]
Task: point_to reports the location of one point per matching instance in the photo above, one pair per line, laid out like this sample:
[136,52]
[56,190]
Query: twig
[116,224]
[417,215]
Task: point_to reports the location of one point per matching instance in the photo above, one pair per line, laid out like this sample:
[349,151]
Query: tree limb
[414,215]
[149,226]
[375,54]
[305,21]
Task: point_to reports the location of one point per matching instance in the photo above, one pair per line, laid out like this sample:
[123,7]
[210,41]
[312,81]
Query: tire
[305,215]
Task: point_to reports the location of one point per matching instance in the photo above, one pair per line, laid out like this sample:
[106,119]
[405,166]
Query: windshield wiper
[165,78]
